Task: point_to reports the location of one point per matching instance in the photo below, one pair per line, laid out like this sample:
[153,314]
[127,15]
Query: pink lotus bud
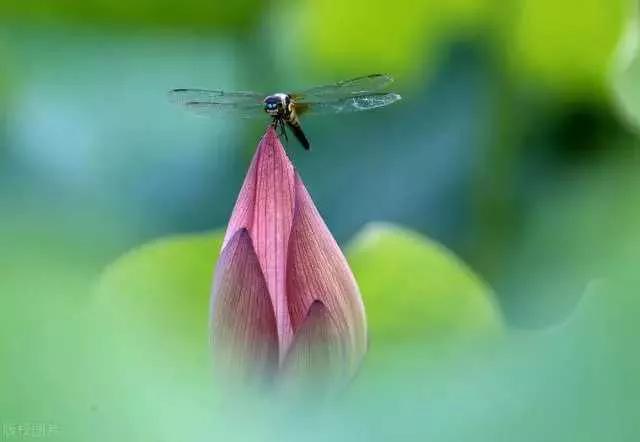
[285,304]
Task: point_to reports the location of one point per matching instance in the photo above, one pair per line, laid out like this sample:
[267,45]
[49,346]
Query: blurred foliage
[626,71]
[160,292]
[594,233]
[375,36]
[193,15]
[45,280]
[150,315]
[571,382]
[566,44]
[415,290]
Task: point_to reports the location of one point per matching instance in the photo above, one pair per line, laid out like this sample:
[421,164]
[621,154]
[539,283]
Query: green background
[491,217]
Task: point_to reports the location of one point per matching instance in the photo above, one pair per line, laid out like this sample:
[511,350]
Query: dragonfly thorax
[278,105]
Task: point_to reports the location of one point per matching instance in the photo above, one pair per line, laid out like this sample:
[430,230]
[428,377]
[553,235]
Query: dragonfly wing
[348,104]
[217,102]
[222,109]
[354,87]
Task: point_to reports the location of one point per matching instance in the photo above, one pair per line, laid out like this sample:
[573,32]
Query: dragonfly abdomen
[294,124]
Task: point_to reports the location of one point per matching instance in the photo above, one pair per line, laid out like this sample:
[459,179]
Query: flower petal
[242,214]
[244,332]
[265,208]
[318,271]
[317,354]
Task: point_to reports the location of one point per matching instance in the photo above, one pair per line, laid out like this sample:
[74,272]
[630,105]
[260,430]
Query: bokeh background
[515,148]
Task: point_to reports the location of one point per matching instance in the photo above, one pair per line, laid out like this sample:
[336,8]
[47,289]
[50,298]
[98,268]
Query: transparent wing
[347,88]
[217,102]
[349,104]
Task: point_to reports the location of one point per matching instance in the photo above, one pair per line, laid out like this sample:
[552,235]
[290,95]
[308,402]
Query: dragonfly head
[277,105]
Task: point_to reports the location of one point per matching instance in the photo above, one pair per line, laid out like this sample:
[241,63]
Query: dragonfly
[285,109]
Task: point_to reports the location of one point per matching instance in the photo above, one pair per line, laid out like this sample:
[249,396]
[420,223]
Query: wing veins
[214,101]
[365,85]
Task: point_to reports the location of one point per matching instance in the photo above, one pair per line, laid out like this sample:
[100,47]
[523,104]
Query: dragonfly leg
[278,123]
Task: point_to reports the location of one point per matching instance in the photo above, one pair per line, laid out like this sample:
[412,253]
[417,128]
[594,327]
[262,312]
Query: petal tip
[270,137]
